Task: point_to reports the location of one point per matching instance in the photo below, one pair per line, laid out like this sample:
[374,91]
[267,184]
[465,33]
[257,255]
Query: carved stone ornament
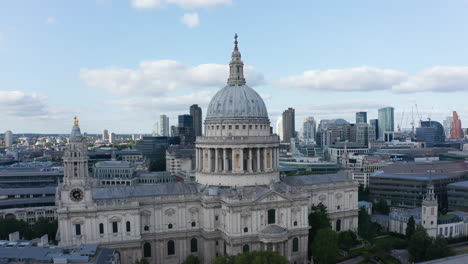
[338,195]
[169,212]
[322,197]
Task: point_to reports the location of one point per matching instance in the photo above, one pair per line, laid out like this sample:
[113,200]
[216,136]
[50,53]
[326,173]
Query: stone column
[210,166]
[264,159]
[258,160]
[242,160]
[249,165]
[197,157]
[225,162]
[216,160]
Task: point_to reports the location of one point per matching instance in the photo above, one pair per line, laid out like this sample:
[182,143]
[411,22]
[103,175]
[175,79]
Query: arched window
[146,228]
[295,223]
[193,245]
[271,216]
[245,248]
[295,245]
[101,228]
[194,224]
[170,248]
[246,229]
[338,225]
[128,226]
[169,226]
[147,250]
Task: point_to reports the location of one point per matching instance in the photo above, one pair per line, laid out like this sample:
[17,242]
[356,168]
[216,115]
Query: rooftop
[463,184]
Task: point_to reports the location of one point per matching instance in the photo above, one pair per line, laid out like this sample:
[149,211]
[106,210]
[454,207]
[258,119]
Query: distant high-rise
[448,122]
[105,135]
[155,132]
[279,127]
[431,132]
[196,113]
[185,129]
[361,117]
[386,120]
[112,138]
[456,126]
[8,138]
[309,130]
[164,125]
[289,129]
[375,124]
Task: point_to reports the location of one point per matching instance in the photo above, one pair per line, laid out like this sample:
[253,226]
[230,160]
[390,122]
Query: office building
[105,135]
[289,128]
[386,121]
[361,117]
[156,130]
[448,123]
[279,127]
[431,132]
[196,113]
[456,126]
[112,138]
[164,126]
[375,124]
[309,130]
[8,139]
[185,129]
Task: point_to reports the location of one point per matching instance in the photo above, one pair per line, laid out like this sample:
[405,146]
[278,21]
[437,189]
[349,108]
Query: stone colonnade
[237,160]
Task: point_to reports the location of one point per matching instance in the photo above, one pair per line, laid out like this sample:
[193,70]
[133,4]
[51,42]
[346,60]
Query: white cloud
[346,80]
[186,4]
[20,104]
[191,20]
[157,77]
[436,79]
[51,21]
[167,103]
[365,79]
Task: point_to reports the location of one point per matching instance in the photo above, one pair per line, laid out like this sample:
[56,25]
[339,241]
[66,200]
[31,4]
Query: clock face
[76,195]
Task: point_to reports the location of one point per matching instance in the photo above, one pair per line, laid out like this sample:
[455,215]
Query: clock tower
[75,190]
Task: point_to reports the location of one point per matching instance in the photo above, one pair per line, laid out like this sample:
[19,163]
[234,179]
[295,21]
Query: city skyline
[341,63]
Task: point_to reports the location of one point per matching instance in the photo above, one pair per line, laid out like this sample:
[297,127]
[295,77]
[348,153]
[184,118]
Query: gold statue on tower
[76,122]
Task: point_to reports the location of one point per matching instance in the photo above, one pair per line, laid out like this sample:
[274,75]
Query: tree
[347,239]
[363,193]
[141,261]
[43,226]
[325,246]
[318,219]
[158,164]
[418,244]
[438,248]
[8,226]
[366,229]
[254,257]
[382,207]
[192,259]
[410,227]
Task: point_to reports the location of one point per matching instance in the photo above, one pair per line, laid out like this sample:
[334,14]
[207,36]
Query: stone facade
[238,203]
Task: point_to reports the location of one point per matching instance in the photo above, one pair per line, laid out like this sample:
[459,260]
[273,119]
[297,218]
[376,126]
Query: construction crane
[418,115]
[400,121]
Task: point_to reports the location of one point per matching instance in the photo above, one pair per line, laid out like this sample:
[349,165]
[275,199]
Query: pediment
[273,197]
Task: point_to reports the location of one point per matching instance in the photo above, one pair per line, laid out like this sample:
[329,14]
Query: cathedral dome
[236,102]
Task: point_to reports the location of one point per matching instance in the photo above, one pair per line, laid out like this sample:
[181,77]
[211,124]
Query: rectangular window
[229,127]
[101,228]
[78,229]
[243,126]
[271,216]
[237,126]
[128,226]
[115,228]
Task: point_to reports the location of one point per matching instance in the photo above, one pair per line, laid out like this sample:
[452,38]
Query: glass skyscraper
[386,120]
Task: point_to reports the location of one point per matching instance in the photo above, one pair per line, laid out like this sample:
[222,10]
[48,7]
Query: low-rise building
[25,252]
[457,195]
[114,172]
[404,184]
[180,158]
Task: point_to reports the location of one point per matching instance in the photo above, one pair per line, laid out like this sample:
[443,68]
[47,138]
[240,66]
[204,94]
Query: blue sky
[118,65]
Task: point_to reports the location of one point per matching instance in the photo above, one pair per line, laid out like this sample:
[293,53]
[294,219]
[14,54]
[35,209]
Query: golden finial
[76,122]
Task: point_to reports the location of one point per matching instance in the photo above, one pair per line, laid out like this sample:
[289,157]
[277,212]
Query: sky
[119,64]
